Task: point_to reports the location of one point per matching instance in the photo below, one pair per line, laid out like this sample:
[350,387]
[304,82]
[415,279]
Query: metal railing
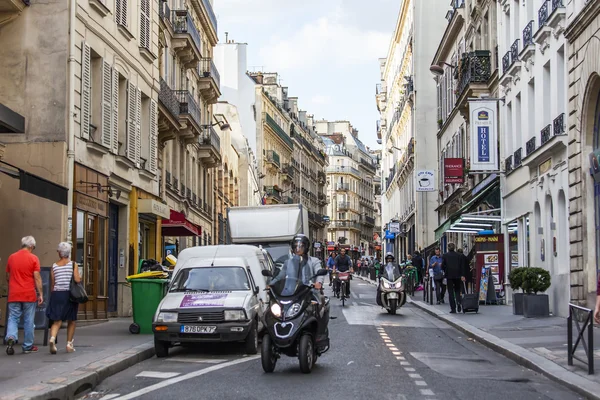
[207,68]
[557,4]
[370,220]
[343,186]
[168,98]
[288,169]
[184,24]
[475,67]
[343,205]
[506,62]
[508,164]
[559,124]
[343,170]
[543,14]
[518,156]
[176,184]
[530,146]
[271,192]
[580,315]
[187,105]
[273,157]
[514,52]
[545,134]
[528,34]
[164,10]
[211,14]
[168,177]
[279,131]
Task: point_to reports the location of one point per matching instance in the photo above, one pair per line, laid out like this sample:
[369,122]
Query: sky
[326,51]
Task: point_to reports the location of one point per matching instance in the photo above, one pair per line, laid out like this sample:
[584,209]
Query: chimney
[226,37]
[259,78]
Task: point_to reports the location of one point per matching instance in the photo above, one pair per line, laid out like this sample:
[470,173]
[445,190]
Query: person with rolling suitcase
[454,267]
[470,301]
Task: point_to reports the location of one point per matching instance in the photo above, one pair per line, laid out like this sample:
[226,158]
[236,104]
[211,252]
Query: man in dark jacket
[343,263]
[419,265]
[454,267]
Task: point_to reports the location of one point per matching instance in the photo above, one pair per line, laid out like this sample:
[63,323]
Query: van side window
[251,278]
[264,265]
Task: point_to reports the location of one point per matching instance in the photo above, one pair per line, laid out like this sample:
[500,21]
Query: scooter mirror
[322,272]
[266,272]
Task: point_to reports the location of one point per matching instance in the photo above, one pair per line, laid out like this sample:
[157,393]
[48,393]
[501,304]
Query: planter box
[518,303]
[536,305]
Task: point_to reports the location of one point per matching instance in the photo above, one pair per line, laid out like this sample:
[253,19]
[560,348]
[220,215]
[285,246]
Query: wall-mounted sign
[484,135]
[454,170]
[149,206]
[394,227]
[425,181]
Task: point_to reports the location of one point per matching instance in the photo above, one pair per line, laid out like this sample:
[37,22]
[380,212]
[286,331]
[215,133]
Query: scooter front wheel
[306,353]
[268,356]
[393,306]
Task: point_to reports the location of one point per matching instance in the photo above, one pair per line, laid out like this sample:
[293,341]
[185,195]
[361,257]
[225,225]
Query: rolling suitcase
[470,301]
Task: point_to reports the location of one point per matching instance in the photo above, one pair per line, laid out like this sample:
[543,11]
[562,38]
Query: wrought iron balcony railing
[211,14]
[557,4]
[187,105]
[210,137]
[271,192]
[530,146]
[528,34]
[343,186]
[543,14]
[518,156]
[343,169]
[506,62]
[508,164]
[343,205]
[545,134]
[207,68]
[184,24]
[514,52]
[279,131]
[559,124]
[168,98]
[475,67]
[273,157]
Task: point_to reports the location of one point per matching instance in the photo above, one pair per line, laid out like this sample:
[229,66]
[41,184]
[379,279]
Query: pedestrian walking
[454,268]
[61,308]
[467,275]
[435,267]
[23,275]
[419,264]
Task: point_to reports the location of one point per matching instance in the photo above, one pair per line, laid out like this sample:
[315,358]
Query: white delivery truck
[271,226]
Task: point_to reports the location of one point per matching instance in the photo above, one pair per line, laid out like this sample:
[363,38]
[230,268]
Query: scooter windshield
[293,277]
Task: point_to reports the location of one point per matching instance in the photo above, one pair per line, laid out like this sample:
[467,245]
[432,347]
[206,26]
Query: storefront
[175,229]
[149,213]
[90,229]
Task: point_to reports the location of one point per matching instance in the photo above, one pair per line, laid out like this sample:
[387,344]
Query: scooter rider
[390,271]
[343,263]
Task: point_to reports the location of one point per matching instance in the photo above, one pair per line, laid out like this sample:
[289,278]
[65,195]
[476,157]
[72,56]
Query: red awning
[178,225]
[330,248]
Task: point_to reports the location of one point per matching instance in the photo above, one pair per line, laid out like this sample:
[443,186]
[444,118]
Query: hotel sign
[484,135]
[149,206]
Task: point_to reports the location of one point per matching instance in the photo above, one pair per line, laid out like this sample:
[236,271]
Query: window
[145,132]
[144,23]
[121,12]
[122,117]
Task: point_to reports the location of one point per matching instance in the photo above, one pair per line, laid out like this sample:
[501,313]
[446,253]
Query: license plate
[392,295]
[197,329]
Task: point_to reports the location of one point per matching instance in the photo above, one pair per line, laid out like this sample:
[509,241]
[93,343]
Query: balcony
[544,31]
[273,158]
[205,10]
[343,205]
[321,177]
[475,68]
[552,139]
[210,80]
[530,147]
[342,187]
[279,131]
[545,134]
[322,199]
[556,19]
[210,147]
[189,112]
[186,39]
[517,157]
[369,165]
[343,170]
[515,63]
[346,224]
[168,99]
[288,171]
[10,9]
[559,125]
[506,62]
[369,221]
[528,43]
[273,194]
[176,184]
[508,164]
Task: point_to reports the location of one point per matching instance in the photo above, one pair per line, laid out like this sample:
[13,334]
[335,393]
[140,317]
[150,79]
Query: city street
[408,356]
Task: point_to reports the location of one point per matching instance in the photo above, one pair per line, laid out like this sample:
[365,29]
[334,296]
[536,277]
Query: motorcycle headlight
[276,310]
[293,310]
[167,317]
[386,285]
[235,315]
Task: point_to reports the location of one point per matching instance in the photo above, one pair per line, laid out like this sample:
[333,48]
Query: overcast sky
[326,51]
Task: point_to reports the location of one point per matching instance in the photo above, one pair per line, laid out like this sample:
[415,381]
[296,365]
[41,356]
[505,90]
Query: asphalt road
[374,355]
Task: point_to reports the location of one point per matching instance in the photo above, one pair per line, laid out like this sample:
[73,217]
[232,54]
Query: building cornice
[585,18]
[450,36]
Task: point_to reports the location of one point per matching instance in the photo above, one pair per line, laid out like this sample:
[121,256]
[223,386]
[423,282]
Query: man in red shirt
[23,276]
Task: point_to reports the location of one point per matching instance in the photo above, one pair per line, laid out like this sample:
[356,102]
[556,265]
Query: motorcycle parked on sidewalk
[392,293]
[296,324]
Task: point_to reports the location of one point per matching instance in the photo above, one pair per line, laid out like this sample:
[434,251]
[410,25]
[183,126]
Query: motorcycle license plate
[197,329]
[392,295]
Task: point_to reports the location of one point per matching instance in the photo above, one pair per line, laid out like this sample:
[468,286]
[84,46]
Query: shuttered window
[131,123]
[145,24]
[138,125]
[106,118]
[115,112]
[153,156]
[86,96]
[121,12]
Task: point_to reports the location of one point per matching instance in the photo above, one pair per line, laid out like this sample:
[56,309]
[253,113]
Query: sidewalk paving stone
[102,350]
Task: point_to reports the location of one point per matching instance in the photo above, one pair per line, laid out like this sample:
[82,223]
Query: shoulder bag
[78,294]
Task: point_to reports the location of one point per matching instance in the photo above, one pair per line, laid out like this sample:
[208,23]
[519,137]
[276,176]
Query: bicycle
[344,277]
[412,279]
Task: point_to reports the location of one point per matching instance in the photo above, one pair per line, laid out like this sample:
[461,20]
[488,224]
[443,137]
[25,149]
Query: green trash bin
[146,294]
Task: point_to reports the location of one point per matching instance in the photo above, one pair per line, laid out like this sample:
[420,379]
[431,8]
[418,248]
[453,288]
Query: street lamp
[222,124]
[438,69]
[394,147]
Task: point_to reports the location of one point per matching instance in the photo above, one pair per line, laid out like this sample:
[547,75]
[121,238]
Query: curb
[526,358]
[84,378]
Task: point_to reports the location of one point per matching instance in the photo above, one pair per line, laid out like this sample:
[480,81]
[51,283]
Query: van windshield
[278,252]
[208,279]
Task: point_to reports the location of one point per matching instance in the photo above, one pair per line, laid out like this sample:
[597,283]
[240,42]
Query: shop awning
[330,248]
[179,225]
[36,185]
[481,195]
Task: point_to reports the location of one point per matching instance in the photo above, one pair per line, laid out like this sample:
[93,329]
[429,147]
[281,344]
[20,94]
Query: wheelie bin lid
[149,280]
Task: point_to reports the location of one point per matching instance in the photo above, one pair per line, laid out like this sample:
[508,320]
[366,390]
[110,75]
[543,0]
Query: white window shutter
[86,96]
[115,111]
[145,24]
[138,125]
[153,161]
[130,150]
[121,12]
[106,128]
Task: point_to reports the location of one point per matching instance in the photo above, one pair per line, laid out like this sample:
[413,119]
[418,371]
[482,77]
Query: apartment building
[581,18]
[407,127]
[350,189]
[191,153]
[465,66]
[533,82]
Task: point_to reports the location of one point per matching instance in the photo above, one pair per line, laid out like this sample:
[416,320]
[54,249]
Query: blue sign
[389,235]
[483,144]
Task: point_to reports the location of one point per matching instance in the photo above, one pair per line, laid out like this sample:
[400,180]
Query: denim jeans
[14,316]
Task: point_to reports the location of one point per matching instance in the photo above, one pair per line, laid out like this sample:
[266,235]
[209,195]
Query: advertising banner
[454,170]
[425,181]
[484,135]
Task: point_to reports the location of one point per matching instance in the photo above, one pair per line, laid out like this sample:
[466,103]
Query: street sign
[425,181]
[394,227]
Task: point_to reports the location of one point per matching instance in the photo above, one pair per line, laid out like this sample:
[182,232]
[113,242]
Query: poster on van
[203,300]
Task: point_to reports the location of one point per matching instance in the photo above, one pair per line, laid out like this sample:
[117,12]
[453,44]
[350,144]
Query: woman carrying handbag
[64,274]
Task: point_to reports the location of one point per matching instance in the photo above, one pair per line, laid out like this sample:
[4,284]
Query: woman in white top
[61,308]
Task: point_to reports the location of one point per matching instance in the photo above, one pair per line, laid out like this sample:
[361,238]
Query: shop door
[113,256]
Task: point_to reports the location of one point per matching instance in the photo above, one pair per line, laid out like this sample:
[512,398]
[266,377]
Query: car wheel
[252,340]
[161,348]
[267,355]
[306,354]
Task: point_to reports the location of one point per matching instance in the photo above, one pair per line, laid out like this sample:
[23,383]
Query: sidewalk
[536,343]
[103,350]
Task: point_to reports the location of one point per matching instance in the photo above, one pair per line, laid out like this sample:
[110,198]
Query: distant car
[216,295]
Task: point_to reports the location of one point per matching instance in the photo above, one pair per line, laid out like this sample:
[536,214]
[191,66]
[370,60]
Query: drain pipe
[72,63]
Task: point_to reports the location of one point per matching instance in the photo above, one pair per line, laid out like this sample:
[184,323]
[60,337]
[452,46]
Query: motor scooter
[392,293]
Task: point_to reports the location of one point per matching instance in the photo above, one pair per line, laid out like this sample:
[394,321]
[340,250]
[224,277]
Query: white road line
[387,340]
[110,396]
[396,353]
[401,358]
[389,344]
[409,369]
[420,383]
[393,349]
[157,374]
[403,363]
[415,376]
[172,381]
[427,392]
[196,360]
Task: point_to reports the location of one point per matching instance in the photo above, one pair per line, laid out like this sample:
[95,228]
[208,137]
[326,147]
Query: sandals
[70,348]
[52,345]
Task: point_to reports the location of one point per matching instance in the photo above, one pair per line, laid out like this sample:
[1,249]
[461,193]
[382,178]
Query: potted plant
[535,280]
[515,277]
[440,123]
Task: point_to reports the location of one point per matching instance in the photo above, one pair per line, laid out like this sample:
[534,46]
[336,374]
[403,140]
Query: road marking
[390,345]
[157,374]
[407,369]
[427,392]
[415,376]
[196,360]
[110,396]
[393,349]
[172,381]
[396,353]
[386,340]
[420,383]
[400,358]
[404,363]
